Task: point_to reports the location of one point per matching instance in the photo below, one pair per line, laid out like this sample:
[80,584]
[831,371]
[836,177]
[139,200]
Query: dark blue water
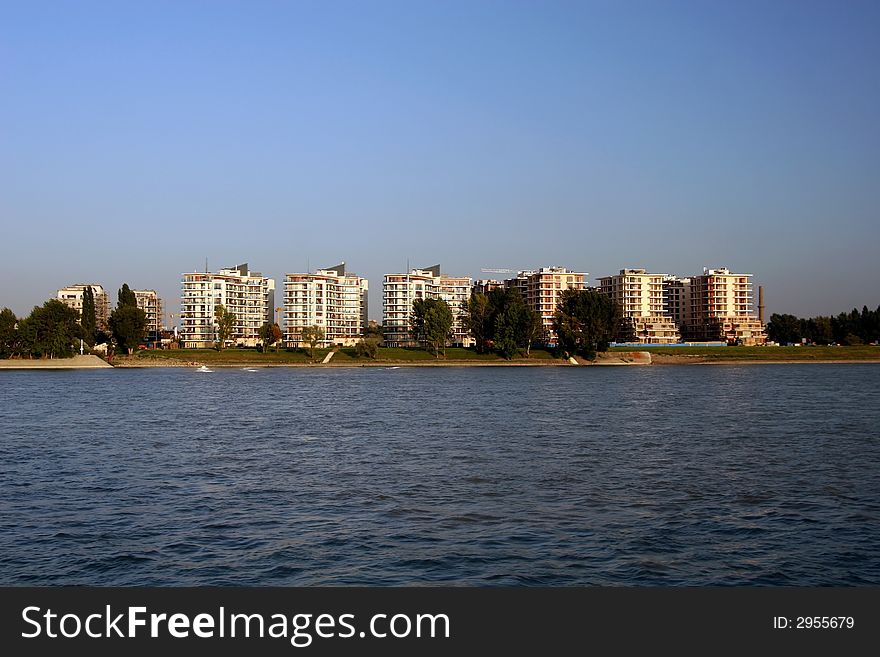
[756,475]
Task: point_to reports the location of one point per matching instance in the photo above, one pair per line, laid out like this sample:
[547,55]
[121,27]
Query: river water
[694,475]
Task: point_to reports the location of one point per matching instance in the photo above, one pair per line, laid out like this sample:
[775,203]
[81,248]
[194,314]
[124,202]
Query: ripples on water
[763,475]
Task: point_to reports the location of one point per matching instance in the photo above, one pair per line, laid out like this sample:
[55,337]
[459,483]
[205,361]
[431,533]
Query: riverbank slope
[85,362]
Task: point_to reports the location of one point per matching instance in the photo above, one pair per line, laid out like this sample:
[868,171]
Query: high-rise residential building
[720,307]
[642,300]
[332,299]
[249,296]
[72,296]
[677,294]
[399,291]
[456,291]
[486,285]
[541,290]
[151,304]
[520,283]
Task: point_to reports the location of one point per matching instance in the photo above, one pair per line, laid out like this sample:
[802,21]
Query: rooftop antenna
[206,264]
[308,266]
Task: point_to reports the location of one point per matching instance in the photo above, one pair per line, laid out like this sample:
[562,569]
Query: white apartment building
[399,291]
[456,291]
[248,295]
[642,300]
[330,298]
[719,306]
[151,304]
[72,296]
[541,290]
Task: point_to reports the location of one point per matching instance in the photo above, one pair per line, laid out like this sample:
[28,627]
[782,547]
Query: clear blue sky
[138,138]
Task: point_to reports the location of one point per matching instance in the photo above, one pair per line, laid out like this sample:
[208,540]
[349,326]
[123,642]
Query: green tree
[8,333]
[88,319]
[506,337]
[313,336]
[432,324]
[585,322]
[852,340]
[479,320]
[374,329]
[516,326]
[225,324]
[417,321]
[784,329]
[50,331]
[128,323]
[852,328]
[819,330]
[367,347]
[125,297]
[532,329]
[270,333]
[502,319]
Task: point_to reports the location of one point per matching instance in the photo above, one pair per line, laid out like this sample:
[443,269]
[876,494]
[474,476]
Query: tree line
[852,328]
[54,330]
[500,322]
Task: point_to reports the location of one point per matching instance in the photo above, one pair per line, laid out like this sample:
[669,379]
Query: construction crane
[497,271]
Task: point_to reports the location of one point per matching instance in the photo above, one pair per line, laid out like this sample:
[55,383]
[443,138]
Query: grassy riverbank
[347,357]
[343,357]
[673,355]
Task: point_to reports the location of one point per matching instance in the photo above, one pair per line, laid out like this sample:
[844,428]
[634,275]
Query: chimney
[761,303]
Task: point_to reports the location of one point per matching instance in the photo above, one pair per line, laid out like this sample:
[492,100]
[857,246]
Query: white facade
[249,296]
[399,291]
[456,292]
[720,307]
[330,298]
[541,291]
[72,296]
[641,296]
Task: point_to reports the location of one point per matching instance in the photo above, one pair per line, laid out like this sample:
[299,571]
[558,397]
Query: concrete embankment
[623,358]
[135,362]
[75,363]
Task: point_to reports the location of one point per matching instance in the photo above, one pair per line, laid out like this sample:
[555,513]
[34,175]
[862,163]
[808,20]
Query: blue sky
[137,139]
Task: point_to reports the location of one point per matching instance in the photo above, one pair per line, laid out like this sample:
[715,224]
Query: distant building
[151,304]
[677,299]
[486,285]
[541,291]
[719,306]
[642,300]
[399,291]
[331,298]
[456,291]
[72,296]
[248,295]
